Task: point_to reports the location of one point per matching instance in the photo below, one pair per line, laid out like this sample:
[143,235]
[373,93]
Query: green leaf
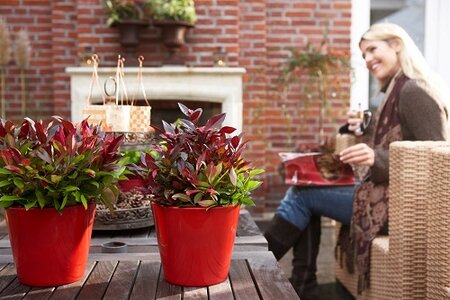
[73,175]
[107,180]
[198,197]
[182,197]
[40,198]
[18,182]
[108,196]
[84,201]
[10,198]
[94,183]
[117,172]
[253,184]
[247,201]
[207,203]
[4,183]
[77,196]
[255,172]
[56,204]
[63,204]
[233,176]
[55,178]
[4,171]
[71,188]
[29,205]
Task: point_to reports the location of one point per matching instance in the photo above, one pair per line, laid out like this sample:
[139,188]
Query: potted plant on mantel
[198,180]
[128,16]
[51,177]
[174,17]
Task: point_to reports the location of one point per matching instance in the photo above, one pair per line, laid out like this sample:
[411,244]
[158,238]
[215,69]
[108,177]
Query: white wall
[360,84]
[437,41]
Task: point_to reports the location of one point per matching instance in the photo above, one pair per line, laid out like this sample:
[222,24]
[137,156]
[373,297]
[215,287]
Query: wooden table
[254,271]
[253,275]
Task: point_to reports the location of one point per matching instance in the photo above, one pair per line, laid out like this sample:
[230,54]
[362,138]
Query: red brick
[254,33]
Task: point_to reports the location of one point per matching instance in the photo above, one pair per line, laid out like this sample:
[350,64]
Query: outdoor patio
[233,57]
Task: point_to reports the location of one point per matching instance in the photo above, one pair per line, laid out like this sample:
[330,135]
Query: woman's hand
[359,154]
[354,122]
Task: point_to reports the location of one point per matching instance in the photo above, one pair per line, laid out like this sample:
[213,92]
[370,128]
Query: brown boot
[304,263]
[281,235]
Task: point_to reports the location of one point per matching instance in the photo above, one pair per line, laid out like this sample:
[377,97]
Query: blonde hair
[412,62]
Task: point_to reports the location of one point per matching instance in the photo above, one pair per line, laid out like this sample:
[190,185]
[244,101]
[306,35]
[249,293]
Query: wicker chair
[414,261]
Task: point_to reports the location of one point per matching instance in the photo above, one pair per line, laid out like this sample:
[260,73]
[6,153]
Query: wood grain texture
[122,280]
[221,291]
[146,282]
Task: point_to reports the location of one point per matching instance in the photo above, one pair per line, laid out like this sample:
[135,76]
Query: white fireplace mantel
[220,85]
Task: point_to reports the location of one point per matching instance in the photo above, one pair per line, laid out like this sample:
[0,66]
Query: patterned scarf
[370,203]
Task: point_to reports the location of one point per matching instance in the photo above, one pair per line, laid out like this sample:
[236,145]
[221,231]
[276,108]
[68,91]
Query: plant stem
[22,86]
[2,96]
[322,97]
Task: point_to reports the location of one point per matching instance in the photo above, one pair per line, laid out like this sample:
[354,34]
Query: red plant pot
[50,248]
[131,184]
[195,244]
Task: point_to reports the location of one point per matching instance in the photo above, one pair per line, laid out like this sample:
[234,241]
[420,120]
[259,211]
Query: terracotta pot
[173,35]
[50,248]
[195,244]
[129,34]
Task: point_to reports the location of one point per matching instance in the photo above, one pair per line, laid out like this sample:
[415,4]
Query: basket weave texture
[414,261]
[410,181]
[438,231]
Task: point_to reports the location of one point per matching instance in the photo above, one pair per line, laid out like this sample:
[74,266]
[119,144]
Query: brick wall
[254,33]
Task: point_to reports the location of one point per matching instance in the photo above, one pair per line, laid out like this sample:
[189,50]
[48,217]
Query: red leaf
[227,129]
[2,130]
[24,130]
[60,137]
[235,140]
[184,109]
[195,115]
[115,143]
[192,192]
[12,169]
[68,126]
[40,132]
[200,160]
[215,122]
[7,157]
[25,162]
[16,155]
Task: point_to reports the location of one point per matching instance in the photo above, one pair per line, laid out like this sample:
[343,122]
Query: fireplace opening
[169,111]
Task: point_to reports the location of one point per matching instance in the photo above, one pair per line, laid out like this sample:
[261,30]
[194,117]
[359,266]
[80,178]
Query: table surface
[253,275]
[254,272]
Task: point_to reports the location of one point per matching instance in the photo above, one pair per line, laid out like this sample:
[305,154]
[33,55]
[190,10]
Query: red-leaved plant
[195,165]
[57,165]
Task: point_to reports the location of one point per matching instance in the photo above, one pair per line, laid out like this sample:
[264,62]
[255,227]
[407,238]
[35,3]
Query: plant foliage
[322,67]
[173,10]
[120,10]
[57,165]
[202,166]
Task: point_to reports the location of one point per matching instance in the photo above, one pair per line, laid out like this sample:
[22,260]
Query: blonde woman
[413,108]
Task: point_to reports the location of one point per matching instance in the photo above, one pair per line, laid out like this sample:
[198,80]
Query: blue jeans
[299,203]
